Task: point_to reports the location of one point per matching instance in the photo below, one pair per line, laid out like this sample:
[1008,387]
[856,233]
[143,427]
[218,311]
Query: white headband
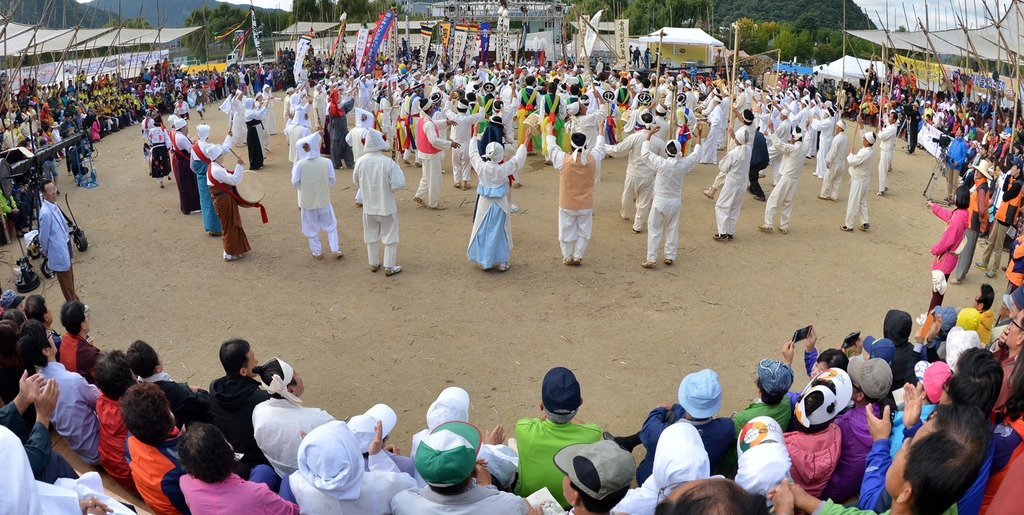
[279,385]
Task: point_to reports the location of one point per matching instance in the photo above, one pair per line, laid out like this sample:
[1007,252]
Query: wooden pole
[1016,89]
[732,80]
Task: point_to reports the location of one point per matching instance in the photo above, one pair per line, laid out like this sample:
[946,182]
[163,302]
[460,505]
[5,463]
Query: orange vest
[576,184]
[1008,210]
[996,478]
[422,143]
[978,222]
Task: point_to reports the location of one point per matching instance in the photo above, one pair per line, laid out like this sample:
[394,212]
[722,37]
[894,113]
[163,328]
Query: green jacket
[781,412]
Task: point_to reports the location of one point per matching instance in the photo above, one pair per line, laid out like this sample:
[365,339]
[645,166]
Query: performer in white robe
[782,129]
[297,129]
[430,147]
[490,242]
[286,109]
[462,131]
[238,117]
[578,179]
[860,177]
[824,125]
[638,188]
[886,144]
[835,162]
[356,138]
[709,152]
[314,177]
[668,192]
[270,120]
[744,133]
[379,178]
[736,167]
[793,153]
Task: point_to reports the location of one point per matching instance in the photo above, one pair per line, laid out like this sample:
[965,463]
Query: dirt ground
[630,334]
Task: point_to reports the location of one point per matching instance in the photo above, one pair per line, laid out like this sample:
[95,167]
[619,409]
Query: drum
[702,129]
[533,120]
[251,189]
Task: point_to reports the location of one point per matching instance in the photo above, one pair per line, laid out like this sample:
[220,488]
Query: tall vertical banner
[503,43]
[301,48]
[591,37]
[256,33]
[361,39]
[459,43]
[426,35]
[446,37]
[485,40]
[338,50]
[581,41]
[378,37]
[622,42]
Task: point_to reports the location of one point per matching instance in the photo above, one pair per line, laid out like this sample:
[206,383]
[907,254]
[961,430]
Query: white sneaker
[922,319]
[514,208]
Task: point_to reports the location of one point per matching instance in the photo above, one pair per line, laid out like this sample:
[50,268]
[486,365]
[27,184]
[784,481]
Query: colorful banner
[256,33]
[922,70]
[485,40]
[335,55]
[227,32]
[361,38]
[98,66]
[503,43]
[622,42]
[383,28]
[426,36]
[459,43]
[591,36]
[446,36]
[301,48]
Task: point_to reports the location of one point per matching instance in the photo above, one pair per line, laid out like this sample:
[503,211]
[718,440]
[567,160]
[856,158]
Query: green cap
[447,455]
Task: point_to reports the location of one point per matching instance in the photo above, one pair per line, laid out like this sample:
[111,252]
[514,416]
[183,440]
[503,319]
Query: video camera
[943,140]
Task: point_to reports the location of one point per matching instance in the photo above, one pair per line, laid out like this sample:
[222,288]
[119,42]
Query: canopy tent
[300,28]
[984,42]
[850,68]
[12,29]
[132,37]
[63,41]
[681,36]
[31,38]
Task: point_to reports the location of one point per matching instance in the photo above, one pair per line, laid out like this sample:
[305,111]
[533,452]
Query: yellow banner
[921,70]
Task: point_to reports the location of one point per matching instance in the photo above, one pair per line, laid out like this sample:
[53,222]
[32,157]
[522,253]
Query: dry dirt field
[630,334]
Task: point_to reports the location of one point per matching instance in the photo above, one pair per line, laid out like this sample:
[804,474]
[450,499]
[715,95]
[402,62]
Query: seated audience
[37,309]
[188,403]
[210,484]
[814,446]
[773,381]
[541,438]
[152,449]
[279,422]
[113,377]
[79,354]
[74,418]
[232,399]
[680,458]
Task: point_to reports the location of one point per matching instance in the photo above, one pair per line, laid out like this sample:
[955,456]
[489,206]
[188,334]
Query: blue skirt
[210,221]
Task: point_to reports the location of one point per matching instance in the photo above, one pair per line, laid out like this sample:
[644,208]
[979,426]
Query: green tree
[804,46]
[785,41]
[807,21]
[131,23]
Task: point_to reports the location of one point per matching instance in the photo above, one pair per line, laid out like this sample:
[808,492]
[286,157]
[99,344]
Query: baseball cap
[700,394]
[969,319]
[756,431]
[775,376]
[934,377]
[873,376]
[560,391]
[10,299]
[823,398]
[447,455]
[1014,300]
[598,469]
[880,348]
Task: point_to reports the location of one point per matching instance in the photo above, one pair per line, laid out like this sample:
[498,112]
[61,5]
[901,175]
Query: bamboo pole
[732,80]
[1016,89]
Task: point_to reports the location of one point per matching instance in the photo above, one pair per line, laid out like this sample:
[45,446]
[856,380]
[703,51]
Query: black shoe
[628,443]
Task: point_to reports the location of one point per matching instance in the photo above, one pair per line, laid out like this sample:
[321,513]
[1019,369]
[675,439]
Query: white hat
[451,404]
[313,140]
[364,426]
[502,462]
[203,132]
[495,151]
[763,467]
[374,142]
[179,123]
[364,118]
[171,120]
[329,459]
[301,115]
[869,137]
[214,152]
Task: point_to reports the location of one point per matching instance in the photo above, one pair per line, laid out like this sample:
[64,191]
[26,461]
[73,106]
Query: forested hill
[826,13]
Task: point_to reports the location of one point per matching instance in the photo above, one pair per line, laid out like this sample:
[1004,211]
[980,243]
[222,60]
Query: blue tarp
[786,67]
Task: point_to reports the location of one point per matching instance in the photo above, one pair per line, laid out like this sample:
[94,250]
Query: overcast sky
[939,13]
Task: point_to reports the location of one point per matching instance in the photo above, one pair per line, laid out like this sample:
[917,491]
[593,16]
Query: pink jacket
[94,131]
[957,221]
[814,457]
[233,495]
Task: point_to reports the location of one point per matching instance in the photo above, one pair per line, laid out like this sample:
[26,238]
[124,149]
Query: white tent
[300,28]
[854,69]
[681,36]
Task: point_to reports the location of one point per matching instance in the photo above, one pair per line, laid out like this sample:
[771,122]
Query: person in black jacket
[758,162]
[897,327]
[232,400]
[188,403]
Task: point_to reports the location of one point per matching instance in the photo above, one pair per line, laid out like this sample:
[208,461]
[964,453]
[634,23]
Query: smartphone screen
[801,334]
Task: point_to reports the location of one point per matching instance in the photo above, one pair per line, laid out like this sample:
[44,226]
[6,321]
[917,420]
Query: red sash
[177,151]
[231,191]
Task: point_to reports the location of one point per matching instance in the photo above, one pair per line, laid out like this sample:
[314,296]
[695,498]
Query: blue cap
[560,391]
[775,376]
[700,394]
[881,348]
[948,314]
